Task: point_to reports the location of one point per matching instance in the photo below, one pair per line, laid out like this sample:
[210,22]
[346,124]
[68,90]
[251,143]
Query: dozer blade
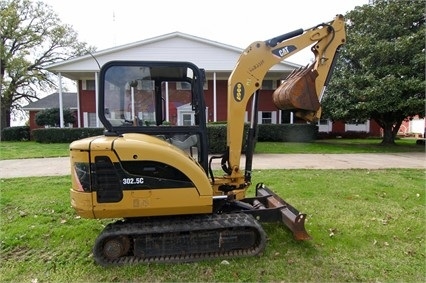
[274,208]
[298,92]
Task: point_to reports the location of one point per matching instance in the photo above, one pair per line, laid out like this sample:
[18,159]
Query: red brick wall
[88,104]
[338,127]
[375,129]
[87,100]
[221,100]
[33,124]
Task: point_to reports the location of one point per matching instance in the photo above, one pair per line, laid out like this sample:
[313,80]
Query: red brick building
[217,59]
[69,101]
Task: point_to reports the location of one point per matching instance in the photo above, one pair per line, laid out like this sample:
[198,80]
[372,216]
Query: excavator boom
[302,91]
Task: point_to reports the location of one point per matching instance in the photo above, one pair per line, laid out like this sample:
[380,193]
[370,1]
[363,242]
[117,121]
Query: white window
[357,126]
[325,125]
[88,84]
[89,120]
[187,119]
[186,116]
[267,117]
[269,84]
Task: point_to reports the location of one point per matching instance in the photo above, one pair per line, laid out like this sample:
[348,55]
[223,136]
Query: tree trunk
[390,131]
[4,118]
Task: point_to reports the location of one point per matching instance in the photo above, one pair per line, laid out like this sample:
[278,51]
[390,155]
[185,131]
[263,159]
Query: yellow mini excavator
[150,172]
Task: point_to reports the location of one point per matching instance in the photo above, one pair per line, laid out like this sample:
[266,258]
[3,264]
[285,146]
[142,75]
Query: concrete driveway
[61,166]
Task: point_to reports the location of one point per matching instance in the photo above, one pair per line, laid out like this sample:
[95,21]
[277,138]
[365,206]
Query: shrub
[216,135]
[50,117]
[270,132]
[64,135]
[20,133]
[287,132]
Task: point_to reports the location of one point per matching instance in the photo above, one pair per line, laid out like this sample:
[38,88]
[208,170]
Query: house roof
[210,55]
[69,101]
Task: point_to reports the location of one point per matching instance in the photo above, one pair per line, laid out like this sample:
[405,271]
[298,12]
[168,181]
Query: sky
[108,23]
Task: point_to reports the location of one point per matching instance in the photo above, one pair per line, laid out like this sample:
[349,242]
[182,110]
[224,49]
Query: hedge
[64,135]
[287,132]
[20,133]
[266,132]
[216,134]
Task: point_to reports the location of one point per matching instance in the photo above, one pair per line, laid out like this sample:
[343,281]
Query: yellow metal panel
[143,147]
[82,203]
[83,144]
[139,203]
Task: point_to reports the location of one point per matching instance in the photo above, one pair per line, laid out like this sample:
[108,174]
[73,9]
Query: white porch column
[61,110]
[167,103]
[97,99]
[214,98]
[78,106]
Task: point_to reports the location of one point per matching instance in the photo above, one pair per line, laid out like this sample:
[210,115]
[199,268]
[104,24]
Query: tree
[50,117]
[380,74]
[32,37]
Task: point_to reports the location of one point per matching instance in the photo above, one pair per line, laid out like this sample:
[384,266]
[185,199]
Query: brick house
[69,101]
[218,61]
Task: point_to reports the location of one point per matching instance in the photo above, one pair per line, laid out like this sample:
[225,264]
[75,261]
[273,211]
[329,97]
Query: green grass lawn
[31,149]
[18,150]
[340,146]
[367,225]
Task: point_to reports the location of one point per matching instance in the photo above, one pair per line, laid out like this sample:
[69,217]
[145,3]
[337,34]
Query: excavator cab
[163,99]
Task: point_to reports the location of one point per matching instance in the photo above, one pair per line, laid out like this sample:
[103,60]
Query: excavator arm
[301,91]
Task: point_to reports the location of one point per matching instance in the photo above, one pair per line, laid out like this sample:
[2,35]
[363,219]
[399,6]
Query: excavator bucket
[269,207]
[298,92]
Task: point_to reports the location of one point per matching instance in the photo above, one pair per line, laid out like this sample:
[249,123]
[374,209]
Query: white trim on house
[358,127]
[207,54]
[325,125]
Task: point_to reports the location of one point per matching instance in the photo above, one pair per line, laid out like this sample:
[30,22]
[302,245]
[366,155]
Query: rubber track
[181,224]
